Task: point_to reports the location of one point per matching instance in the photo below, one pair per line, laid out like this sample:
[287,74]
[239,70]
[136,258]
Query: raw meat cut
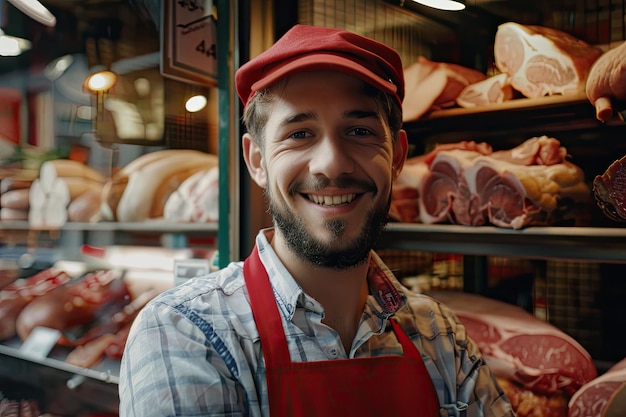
[593,397]
[434,85]
[519,347]
[531,184]
[493,90]
[543,61]
[607,81]
[16,296]
[609,190]
[76,306]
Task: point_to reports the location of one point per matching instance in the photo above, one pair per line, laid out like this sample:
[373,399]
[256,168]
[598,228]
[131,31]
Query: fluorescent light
[450,5]
[12,46]
[36,11]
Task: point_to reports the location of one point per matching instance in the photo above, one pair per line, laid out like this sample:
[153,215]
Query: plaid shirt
[194,350]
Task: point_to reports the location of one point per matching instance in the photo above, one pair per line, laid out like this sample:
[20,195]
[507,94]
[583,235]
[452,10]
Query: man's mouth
[331,200]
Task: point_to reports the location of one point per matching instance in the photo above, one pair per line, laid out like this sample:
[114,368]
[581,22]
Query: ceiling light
[450,5]
[196,103]
[100,81]
[35,10]
[12,46]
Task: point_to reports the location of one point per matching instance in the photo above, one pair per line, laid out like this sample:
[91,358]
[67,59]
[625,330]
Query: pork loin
[543,61]
[607,81]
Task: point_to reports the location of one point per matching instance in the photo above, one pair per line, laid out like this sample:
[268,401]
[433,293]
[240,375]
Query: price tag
[189,41]
[185,269]
[40,342]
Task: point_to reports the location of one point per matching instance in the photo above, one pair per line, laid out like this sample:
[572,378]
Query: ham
[593,397]
[493,90]
[607,81]
[531,184]
[434,85]
[609,190]
[521,348]
[543,61]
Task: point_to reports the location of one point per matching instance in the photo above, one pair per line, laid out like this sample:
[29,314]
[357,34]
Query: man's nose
[331,157]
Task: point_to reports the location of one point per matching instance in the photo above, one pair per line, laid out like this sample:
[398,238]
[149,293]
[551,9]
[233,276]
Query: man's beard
[327,254]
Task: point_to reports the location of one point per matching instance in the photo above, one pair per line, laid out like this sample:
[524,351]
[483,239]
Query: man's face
[327,168]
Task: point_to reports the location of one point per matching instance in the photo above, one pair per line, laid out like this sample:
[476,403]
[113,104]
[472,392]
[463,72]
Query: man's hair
[256,112]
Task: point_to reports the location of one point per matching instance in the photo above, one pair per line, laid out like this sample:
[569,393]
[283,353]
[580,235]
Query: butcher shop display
[606,82]
[468,183]
[543,61]
[609,190]
[140,190]
[539,366]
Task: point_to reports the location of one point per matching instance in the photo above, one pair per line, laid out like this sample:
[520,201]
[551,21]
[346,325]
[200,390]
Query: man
[312,323]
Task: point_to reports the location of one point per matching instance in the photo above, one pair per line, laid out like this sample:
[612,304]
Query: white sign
[189,42]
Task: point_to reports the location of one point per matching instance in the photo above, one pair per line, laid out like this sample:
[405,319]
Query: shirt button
[333,353]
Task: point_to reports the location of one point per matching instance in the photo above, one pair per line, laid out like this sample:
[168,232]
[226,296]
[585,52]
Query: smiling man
[312,323]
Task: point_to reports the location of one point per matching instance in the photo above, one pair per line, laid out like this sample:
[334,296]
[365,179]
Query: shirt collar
[386,297]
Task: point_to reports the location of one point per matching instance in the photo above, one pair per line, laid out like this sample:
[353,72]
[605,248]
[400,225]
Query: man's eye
[299,135]
[360,131]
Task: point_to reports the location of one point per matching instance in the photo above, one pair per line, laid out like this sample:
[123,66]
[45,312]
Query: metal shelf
[65,389]
[147,226]
[568,243]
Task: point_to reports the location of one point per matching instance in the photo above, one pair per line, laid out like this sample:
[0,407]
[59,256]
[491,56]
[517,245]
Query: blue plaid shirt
[194,350]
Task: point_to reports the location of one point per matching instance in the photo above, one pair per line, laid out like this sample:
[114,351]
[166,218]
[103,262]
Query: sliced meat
[445,192]
[493,90]
[607,81]
[543,61]
[609,190]
[433,85]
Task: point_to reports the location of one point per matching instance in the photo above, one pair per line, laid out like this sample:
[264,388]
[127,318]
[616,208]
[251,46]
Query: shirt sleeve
[477,391]
[463,381]
[172,366]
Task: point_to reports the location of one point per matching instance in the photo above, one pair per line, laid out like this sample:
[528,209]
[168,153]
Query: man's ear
[400,151]
[253,156]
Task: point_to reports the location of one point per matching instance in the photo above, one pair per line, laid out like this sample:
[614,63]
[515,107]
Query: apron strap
[265,312]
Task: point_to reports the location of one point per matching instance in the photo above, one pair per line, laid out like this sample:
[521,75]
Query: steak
[592,398]
[521,348]
[607,81]
[609,190]
[543,61]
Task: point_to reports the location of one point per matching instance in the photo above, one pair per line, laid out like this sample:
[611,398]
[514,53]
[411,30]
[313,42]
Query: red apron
[377,386]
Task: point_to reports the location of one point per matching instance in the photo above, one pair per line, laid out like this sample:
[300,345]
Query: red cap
[309,48]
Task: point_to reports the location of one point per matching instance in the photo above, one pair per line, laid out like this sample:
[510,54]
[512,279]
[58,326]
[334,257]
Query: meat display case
[69,390]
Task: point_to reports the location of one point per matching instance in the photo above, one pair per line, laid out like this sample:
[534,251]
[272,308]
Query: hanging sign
[189,41]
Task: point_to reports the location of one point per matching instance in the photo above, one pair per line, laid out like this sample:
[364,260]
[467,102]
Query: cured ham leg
[543,61]
[607,81]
